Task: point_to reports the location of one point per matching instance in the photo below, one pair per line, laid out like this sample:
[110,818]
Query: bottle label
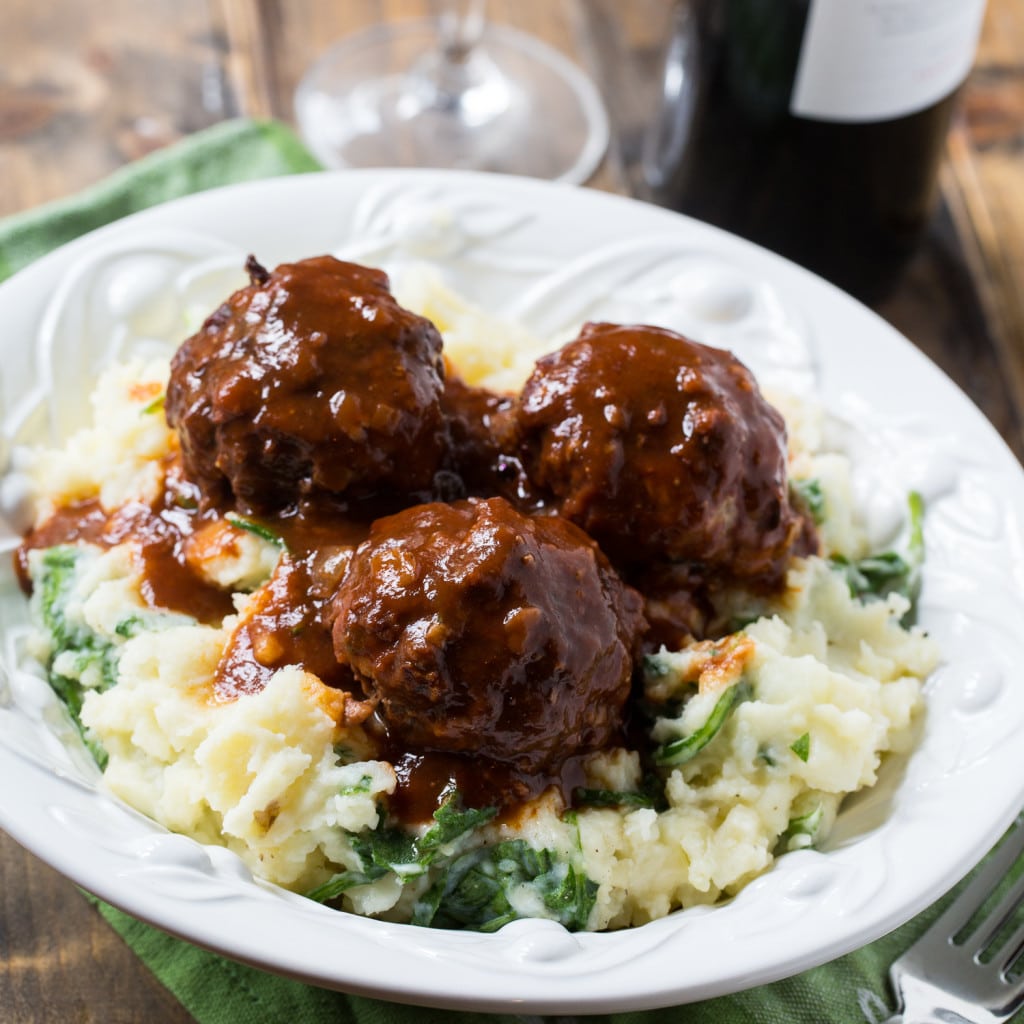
[874,60]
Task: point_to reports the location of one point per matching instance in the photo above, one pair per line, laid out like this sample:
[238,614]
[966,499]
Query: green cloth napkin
[851,990]
[232,151]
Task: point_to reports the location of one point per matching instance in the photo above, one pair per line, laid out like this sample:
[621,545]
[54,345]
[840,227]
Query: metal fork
[959,971]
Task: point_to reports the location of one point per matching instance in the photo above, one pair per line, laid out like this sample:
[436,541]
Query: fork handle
[936,1016]
[924,1011]
[923,1002]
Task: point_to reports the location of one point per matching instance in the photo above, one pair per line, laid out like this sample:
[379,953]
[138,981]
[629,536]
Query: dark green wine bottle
[813,127]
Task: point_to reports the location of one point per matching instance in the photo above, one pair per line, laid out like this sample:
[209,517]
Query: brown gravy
[158,531]
[423,780]
[313,401]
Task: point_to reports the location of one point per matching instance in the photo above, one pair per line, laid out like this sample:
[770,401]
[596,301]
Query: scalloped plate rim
[427,967]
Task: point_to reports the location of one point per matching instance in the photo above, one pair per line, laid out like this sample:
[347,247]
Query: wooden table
[85,88]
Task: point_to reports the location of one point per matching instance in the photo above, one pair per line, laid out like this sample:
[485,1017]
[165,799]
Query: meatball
[661,449]
[481,630]
[482,451]
[312,380]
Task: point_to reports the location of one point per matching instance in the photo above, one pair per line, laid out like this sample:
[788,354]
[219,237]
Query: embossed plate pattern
[550,256]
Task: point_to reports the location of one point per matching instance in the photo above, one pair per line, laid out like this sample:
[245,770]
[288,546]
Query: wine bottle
[813,127]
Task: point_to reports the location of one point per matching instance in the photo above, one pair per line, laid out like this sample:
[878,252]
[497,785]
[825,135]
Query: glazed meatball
[482,450]
[311,380]
[661,449]
[478,629]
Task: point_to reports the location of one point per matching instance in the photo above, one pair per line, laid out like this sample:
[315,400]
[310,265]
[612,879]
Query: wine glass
[465,93]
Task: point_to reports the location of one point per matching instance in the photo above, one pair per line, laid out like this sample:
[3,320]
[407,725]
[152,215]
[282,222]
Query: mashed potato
[757,736]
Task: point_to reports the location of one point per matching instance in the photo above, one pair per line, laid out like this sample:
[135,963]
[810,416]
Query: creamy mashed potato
[506,357]
[758,736]
[118,458]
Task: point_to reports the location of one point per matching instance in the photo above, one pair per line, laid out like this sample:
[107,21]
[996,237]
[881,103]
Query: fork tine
[943,968]
[1013,948]
[988,930]
[991,874]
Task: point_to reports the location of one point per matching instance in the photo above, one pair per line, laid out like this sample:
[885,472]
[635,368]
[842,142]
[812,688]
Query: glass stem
[450,73]
[462,24]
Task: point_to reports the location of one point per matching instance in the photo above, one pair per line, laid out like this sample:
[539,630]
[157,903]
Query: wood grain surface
[85,88]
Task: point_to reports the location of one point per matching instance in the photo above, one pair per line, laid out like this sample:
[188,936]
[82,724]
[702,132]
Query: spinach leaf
[149,621]
[255,528]
[809,493]
[877,576]
[408,855]
[681,750]
[81,659]
[802,831]
[650,794]
[335,886]
[654,667]
[83,653]
[155,406]
[404,853]
[802,747]
[362,786]
[474,891]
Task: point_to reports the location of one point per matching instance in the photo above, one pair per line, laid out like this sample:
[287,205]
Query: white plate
[551,255]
